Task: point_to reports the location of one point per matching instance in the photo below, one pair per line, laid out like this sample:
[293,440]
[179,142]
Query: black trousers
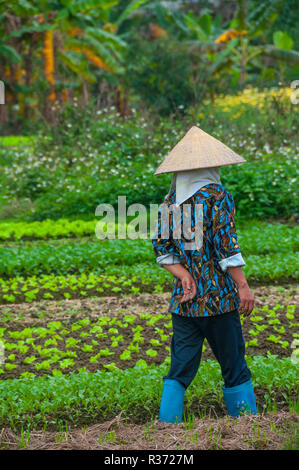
[224,335]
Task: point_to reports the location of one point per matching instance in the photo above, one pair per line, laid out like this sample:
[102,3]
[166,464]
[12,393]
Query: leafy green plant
[32,400]
[151,352]
[125,355]
[65,363]
[104,352]
[87,348]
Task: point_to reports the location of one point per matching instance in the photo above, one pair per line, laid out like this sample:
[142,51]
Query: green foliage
[36,401]
[282,40]
[128,278]
[255,239]
[160,75]
[93,156]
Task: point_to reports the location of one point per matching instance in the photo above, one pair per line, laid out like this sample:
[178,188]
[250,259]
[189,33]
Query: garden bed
[55,338]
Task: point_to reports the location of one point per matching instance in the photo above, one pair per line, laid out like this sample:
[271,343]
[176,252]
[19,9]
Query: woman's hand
[189,287]
[247,300]
[187,280]
[245,294]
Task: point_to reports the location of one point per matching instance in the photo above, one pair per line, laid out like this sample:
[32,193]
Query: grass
[270,431]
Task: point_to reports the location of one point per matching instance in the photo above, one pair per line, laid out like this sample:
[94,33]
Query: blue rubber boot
[240,399]
[172,402]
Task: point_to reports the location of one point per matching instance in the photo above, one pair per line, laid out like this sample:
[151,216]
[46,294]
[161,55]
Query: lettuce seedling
[155,342]
[273,338]
[9,366]
[29,360]
[84,334]
[126,355]
[113,331]
[253,333]
[112,366]
[71,342]
[87,348]
[279,330]
[50,341]
[65,363]
[151,352]
[105,352]
[274,322]
[133,348]
[45,365]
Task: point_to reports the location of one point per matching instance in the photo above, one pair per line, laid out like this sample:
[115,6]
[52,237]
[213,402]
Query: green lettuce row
[17,140]
[75,257]
[137,278]
[46,229]
[78,398]
[255,236]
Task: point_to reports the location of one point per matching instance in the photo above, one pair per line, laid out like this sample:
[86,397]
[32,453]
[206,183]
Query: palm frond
[10,53]
[74,63]
[83,6]
[281,54]
[134,5]
[101,50]
[263,16]
[101,34]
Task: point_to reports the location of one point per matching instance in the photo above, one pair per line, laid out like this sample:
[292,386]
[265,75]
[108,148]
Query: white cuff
[232,261]
[167,259]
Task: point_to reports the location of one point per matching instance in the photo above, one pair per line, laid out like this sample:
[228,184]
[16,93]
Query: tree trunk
[122,102]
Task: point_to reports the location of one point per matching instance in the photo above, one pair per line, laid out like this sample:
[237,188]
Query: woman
[209,286]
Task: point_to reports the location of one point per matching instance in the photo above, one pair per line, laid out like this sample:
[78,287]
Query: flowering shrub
[93,156]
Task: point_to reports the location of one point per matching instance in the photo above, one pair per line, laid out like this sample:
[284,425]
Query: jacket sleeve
[225,240]
[162,242]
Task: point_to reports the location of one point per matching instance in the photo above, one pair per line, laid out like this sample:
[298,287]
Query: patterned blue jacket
[212,208]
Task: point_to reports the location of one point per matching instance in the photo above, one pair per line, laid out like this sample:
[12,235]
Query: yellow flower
[248,97]
[227,36]
[48,52]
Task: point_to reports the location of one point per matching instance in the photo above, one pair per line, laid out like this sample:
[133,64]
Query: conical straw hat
[195,150]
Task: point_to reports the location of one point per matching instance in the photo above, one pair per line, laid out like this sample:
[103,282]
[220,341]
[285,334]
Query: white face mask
[187,183]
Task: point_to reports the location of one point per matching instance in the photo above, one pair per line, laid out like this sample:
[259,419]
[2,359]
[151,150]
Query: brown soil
[271,431]
[156,303]
[19,316]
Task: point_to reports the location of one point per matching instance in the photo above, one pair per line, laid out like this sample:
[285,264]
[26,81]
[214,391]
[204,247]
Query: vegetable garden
[84,325]
[82,321]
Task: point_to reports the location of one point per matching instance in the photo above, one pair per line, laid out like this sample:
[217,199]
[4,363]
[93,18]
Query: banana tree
[238,47]
[74,39]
